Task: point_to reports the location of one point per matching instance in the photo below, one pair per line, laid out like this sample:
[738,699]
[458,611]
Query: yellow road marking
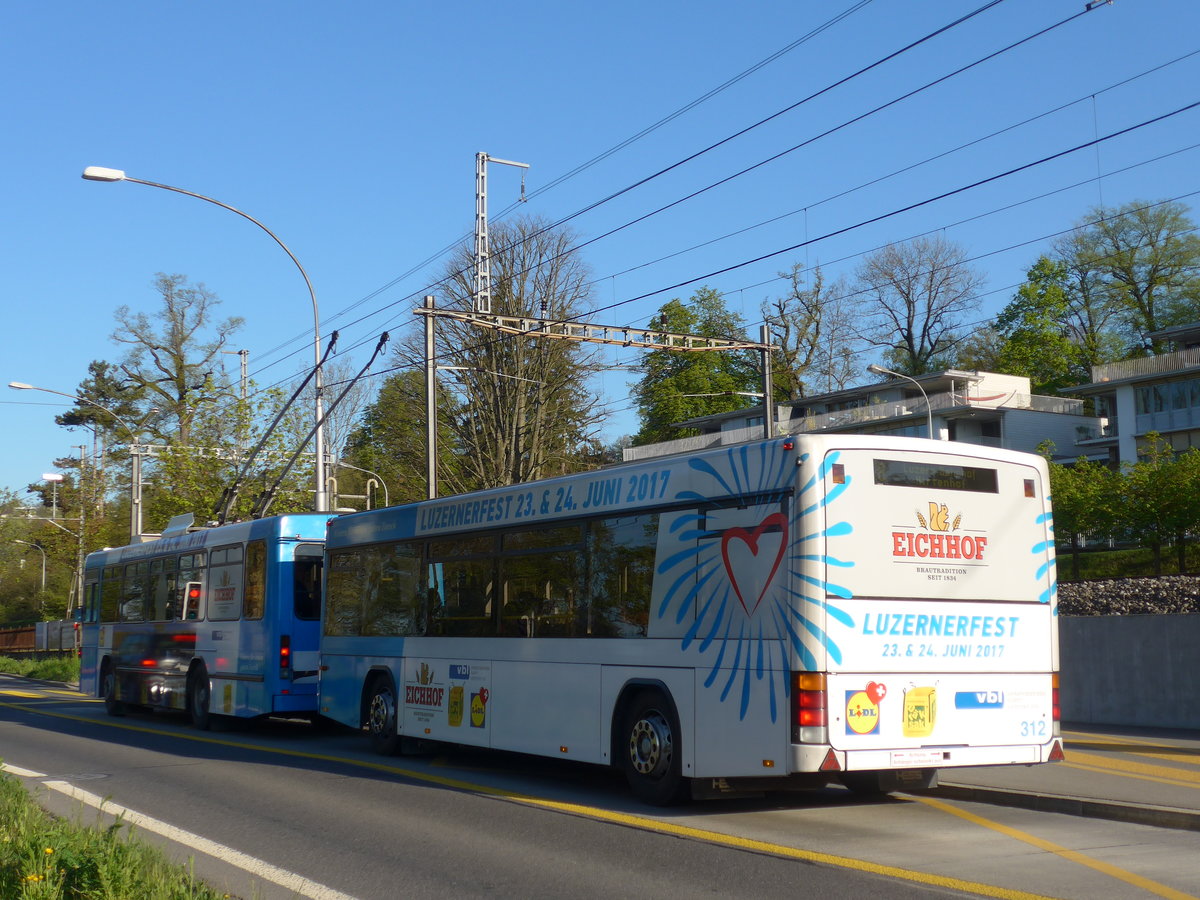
[1125,766]
[1174,782]
[591,812]
[1153,749]
[1137,881]
[26,694]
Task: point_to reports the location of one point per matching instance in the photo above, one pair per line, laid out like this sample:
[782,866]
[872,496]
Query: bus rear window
[941,476]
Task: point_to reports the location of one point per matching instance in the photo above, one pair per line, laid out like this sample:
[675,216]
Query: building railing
[875,412]
[1147,365]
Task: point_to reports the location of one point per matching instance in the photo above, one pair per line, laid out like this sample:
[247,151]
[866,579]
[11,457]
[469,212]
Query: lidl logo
[862,713]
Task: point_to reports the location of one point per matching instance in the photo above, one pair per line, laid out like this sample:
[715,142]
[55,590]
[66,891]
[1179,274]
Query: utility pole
[483,269]
[430,402]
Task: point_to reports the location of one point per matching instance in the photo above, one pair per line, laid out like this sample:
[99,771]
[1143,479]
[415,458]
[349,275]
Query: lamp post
[321,496]
[135,455]
[375,475]
[40,550]
[880,370]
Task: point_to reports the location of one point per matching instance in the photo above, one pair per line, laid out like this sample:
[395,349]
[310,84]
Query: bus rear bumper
[807,758]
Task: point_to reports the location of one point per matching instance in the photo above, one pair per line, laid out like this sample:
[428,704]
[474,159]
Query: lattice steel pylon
[482,288]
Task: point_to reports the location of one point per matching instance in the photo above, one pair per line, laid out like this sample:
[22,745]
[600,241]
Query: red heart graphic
[876,691]
[750,538]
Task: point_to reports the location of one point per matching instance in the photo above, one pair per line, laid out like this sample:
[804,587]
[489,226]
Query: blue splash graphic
[1044,550]
[737,636]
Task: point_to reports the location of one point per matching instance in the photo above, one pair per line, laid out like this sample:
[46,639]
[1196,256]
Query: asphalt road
[312,813]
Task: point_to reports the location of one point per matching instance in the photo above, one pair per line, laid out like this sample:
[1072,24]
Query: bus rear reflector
[830,763]
[1056,753]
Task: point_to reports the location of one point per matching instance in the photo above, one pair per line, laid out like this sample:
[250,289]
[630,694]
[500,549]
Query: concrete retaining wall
[1131,670]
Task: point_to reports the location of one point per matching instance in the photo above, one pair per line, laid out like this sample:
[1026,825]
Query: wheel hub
[651,745]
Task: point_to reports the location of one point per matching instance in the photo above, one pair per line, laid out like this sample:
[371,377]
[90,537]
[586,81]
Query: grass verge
[43,857]
[60,668]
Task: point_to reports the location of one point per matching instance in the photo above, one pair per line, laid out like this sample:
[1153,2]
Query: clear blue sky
[351,130]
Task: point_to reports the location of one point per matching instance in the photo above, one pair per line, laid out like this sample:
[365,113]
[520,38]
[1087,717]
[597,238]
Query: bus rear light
[285,655]
[1055,710]
[1030,491]
[809,705]
[148,663]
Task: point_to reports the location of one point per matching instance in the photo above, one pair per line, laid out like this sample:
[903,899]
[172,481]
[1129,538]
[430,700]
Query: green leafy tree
[1154,505]
[1036,343]
[1145,258]
[1085,500]
[677,385]
[173,359]
[390,440]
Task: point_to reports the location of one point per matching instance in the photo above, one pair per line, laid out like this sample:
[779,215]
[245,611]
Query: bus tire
[651,750]
[199,694]
[108,689]
[381,717]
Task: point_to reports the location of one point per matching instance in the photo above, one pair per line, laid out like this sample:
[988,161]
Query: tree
[1152,502]
[390,439]
[174,353]
[916,298]
[1085,497]
[1147,259]
[525,411]
[1033,326]
[677,385]
[810,326]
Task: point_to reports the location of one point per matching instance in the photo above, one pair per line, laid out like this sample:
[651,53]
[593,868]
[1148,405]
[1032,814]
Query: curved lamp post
[135,455]
[880,370]
[40,550]
[321,497]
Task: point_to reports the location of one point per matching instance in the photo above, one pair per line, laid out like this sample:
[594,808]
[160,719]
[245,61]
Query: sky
[350,130]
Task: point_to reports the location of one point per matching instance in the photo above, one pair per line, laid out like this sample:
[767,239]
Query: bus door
[300,616]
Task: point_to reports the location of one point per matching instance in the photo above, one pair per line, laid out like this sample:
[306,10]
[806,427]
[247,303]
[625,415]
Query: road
[291,810]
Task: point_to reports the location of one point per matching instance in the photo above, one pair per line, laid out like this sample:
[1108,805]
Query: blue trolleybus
[216,621]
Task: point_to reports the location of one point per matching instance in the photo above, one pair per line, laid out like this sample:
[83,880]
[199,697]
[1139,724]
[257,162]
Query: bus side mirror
[191,600]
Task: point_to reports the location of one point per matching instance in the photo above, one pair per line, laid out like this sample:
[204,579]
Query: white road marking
[17,770]
[298,884]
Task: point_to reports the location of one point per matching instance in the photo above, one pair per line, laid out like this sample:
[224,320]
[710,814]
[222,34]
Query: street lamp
[135,455]
[321,498]
[880,370]
[40,550]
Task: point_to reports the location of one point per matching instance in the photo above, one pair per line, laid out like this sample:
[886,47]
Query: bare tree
[524,409]
[916,298]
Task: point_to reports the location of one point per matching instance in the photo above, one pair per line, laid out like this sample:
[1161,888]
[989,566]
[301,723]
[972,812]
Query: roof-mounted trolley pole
[482,294]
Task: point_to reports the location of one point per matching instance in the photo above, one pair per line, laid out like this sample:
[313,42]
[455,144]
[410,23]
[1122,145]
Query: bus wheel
[198,694]
[651,750]
[108,687]
[381,718]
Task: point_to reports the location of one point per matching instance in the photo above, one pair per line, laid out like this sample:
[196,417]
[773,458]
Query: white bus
[766,615]
[215,621]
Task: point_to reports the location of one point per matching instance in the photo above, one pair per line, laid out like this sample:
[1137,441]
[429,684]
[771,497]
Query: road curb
[1136,813]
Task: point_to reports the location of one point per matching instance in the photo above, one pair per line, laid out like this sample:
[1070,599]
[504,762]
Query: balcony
[1163,364]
